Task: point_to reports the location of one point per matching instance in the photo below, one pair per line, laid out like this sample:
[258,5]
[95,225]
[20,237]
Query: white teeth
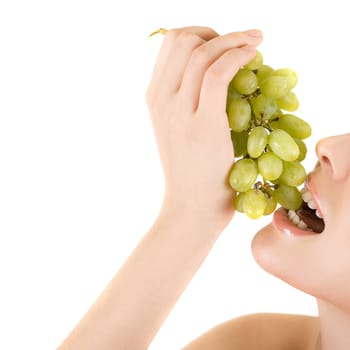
[296,219]
[307,198]
[302,225]
[311,204]
[291,214]
[306,195]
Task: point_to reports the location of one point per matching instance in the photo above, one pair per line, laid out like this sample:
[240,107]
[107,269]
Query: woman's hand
[187,102]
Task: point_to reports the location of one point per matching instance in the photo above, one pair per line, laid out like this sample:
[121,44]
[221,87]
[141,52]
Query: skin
[319,264]
[186,98]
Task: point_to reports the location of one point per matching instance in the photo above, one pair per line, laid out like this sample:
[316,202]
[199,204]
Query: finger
[217,78]
[168,50]
[206,54]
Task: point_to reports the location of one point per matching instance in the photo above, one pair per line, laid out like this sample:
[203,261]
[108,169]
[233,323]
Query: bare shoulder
[263,331]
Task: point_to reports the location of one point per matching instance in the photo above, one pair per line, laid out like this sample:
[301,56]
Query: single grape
[283,145]
[273,124]
[302,149]
[263,107]
[271,205]
[239,114]
[270,166]
[293,174]
[275,86]
[231,95]
[254,203]
[288,102]
[239,141]
[257,141]
[289,74]
[295,126]
[238,201]
[263,72]
[245,82]
[289,197]
[243,174]
[256,62]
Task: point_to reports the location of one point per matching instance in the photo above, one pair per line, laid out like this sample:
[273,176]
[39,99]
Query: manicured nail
[254,32]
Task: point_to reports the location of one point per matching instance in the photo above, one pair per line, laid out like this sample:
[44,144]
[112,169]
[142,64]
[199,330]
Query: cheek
[318,265]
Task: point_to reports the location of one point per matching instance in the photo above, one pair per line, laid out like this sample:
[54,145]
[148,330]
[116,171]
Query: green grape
[243,174]
[293,174]
[270,166]
[263,107]
[275,86]
[257,141]
[239,115]
[302,149]
[271,205]
[274,124]
[289,197]
[245,82]
[254,203]
[283,145]
[238,201]
[263,72]
[256,62]
[239,141]
[289,74]
[231,95]
[288,102]
[295,126]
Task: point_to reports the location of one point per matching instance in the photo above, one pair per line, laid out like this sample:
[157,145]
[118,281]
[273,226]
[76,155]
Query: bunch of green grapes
[267,139]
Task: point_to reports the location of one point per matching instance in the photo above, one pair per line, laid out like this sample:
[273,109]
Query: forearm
[134,305]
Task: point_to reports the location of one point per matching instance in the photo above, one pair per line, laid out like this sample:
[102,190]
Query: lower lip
[281,223]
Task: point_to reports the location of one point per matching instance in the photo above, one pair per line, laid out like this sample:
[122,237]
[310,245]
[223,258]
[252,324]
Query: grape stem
[264,187]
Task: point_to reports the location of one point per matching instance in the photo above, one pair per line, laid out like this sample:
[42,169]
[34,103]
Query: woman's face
[317,263]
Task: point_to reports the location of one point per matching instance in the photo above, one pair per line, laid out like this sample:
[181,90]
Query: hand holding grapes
[187,102]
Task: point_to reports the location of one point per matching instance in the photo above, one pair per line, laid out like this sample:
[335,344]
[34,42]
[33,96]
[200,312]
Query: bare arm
[134,305]
[195,148]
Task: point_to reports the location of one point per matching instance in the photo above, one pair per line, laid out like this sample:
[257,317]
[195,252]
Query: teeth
[291,214]
[306,195]
[307,198]
[302,225]
[295,219]
[311,204]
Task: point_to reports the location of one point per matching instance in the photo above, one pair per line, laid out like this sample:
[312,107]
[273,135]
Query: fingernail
[254,32]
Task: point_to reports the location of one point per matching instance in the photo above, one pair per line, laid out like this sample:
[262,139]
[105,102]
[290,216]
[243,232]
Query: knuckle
[172,35]
[200,55]
[188,39]
[215,74]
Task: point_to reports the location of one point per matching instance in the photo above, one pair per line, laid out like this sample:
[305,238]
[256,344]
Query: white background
[80,178]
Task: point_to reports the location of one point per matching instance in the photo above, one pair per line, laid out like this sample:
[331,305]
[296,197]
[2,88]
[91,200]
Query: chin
[283,256]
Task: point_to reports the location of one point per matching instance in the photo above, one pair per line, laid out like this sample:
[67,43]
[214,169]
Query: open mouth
[307,217]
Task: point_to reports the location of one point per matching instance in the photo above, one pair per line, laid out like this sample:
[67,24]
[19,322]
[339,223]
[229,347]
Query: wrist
[209,219]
